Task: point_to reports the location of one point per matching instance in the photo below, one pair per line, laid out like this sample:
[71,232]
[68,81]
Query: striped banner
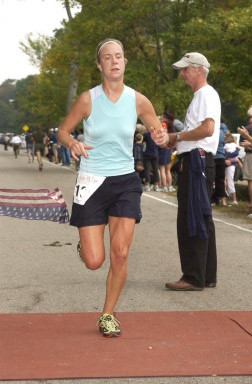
[32,204]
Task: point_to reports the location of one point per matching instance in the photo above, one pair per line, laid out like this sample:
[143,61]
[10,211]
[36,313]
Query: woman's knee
[92,262]
[119,256]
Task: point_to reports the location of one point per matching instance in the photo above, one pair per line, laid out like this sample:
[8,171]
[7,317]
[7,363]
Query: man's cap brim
[180,64]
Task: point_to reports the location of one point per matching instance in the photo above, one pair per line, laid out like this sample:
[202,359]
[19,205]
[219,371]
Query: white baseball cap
[191,58]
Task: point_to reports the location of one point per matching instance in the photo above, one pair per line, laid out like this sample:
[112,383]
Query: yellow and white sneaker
[109,325]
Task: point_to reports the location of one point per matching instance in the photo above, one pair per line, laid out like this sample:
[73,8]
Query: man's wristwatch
[177,138]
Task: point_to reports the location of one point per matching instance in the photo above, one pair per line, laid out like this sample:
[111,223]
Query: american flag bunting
[33,204]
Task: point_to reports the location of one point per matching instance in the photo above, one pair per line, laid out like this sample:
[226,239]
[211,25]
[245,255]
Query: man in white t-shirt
[16,142]
[199,138]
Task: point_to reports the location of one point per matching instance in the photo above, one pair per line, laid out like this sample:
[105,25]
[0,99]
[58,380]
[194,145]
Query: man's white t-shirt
[16,140]
[205,104]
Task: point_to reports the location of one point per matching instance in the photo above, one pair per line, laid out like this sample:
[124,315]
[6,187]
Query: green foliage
[224,36]
[35,48]
[42,99]
[155,33]
[10,116]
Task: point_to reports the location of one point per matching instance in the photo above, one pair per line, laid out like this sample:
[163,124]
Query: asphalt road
[36,276]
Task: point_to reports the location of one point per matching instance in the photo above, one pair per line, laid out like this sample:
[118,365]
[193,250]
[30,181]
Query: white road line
[162,201]
[218,220]
[233,225]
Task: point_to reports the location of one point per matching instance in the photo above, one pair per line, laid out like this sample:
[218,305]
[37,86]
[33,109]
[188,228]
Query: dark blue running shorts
[118,196]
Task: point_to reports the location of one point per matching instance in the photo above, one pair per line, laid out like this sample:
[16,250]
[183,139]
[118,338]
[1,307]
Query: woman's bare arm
[80,110]
[147,115]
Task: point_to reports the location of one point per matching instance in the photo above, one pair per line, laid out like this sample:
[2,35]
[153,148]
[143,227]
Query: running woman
[107,189]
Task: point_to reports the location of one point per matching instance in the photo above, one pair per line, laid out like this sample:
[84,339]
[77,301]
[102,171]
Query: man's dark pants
[198,257]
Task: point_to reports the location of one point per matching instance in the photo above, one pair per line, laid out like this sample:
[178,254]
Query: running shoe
[108,325]
[171,189]
[78,251]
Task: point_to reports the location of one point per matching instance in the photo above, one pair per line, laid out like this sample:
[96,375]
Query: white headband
[108,42]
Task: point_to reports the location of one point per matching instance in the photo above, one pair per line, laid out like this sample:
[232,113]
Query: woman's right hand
[78,149]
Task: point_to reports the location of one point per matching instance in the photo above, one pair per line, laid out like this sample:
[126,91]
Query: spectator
[80,135]
[196,145]
[247,164]
[65,156]
[219,194]
[138,155]
[150,158]
[223,126]
[231,162]
[164,164]
[169,120]
[48,152]
[80,138]
[55,146]
[244,133]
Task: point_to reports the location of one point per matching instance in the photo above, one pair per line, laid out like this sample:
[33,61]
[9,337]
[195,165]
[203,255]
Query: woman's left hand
[160,137]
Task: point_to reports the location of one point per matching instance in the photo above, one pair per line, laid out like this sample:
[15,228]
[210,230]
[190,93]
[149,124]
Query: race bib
[86,185]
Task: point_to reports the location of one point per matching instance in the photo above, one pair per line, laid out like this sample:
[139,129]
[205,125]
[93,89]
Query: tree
[41,99]
[224,36]
[10,116]
[155,33]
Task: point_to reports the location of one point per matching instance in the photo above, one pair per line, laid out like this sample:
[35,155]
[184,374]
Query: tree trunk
[73,74]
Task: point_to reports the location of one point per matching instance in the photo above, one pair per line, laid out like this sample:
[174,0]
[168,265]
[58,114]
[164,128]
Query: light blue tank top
[110,131]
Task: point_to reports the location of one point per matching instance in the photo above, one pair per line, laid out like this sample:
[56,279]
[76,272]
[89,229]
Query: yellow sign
[25,128]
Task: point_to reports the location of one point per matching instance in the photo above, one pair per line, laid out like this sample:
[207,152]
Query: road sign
[25,128]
